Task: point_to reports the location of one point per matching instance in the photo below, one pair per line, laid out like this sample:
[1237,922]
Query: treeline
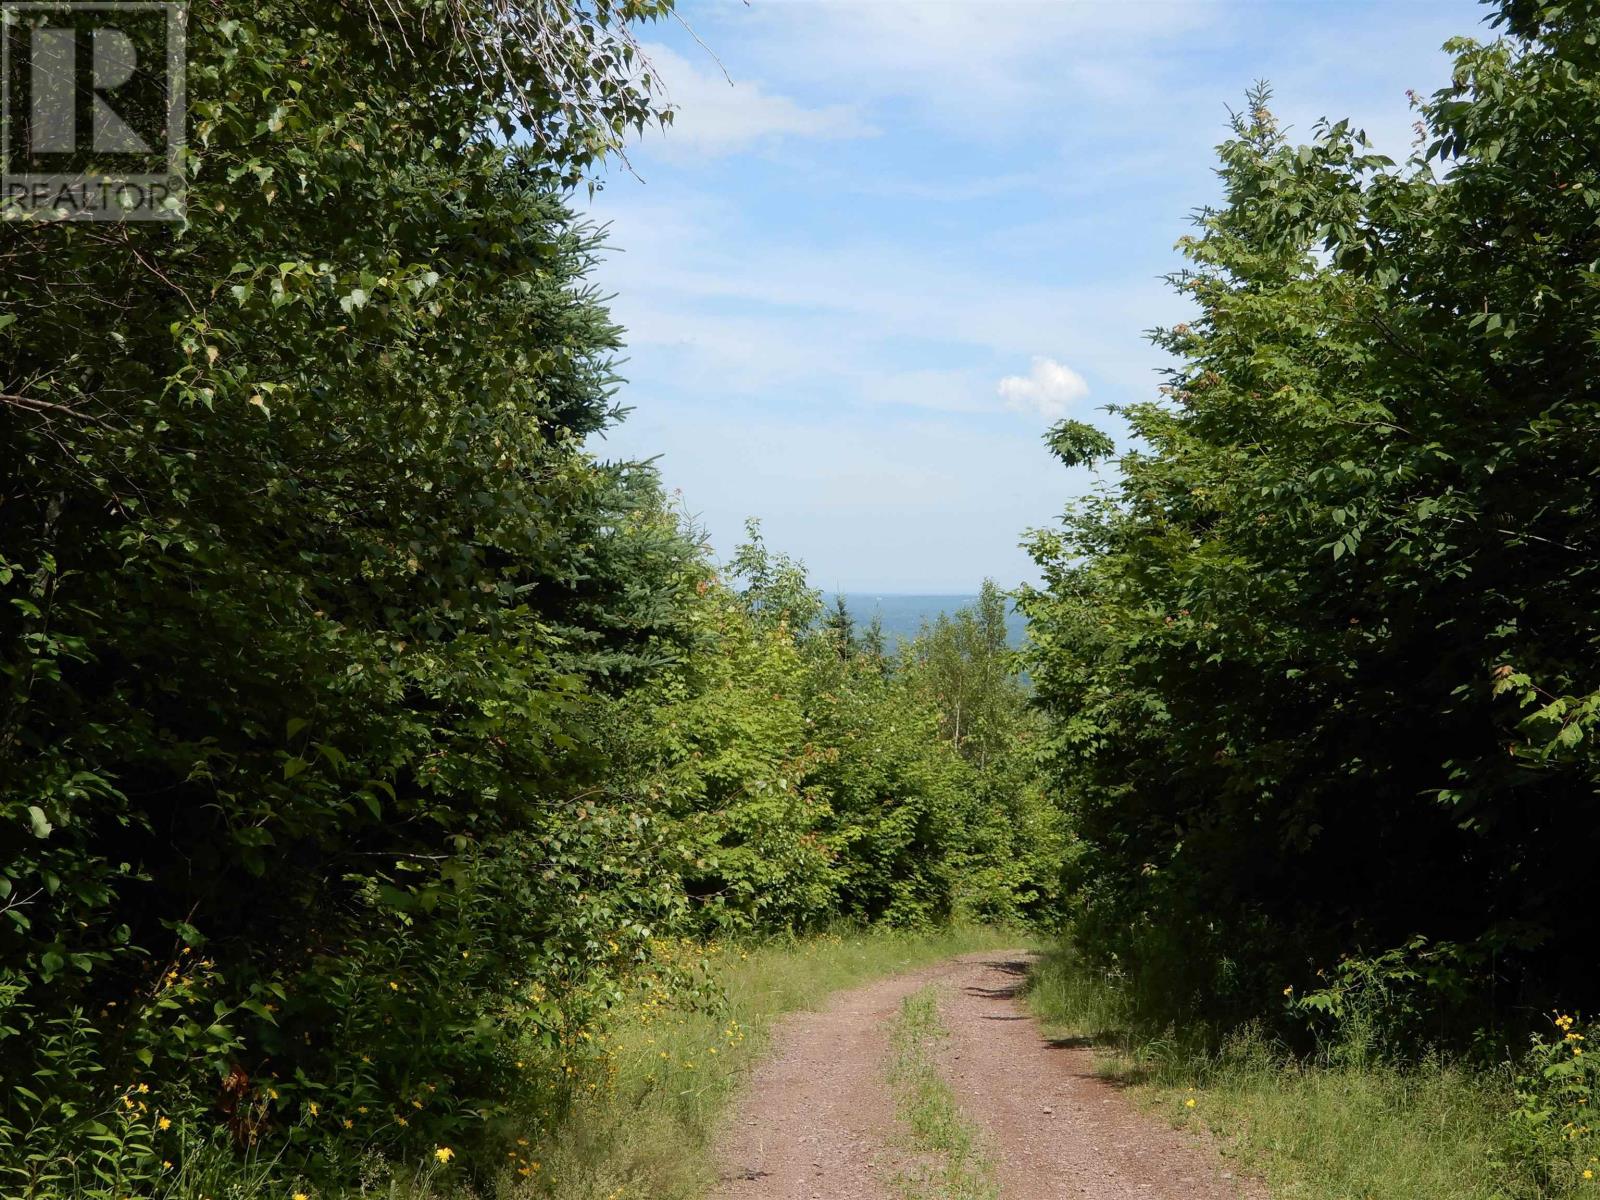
[361,733]
[1321,658]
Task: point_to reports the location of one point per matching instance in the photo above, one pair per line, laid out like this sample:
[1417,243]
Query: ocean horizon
[904,614]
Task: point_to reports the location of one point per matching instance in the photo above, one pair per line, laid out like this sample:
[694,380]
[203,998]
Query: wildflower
[301,1196]
[444,1154]
[313,1107]
[144,1087]
[1588,1174]
[1189,1103]
[393,986]
[163,1123]
[1289,991]
[401,1121]
[349,1124]
[362,1109]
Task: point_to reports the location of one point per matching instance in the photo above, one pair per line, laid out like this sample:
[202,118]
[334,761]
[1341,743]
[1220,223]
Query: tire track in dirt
[1056,1129]
[818,1119]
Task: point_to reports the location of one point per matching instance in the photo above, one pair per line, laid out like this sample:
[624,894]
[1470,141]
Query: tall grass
[1334,1126]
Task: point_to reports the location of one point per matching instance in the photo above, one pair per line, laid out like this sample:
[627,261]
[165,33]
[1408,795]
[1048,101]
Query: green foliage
[312,600]
[1078,444]
[962,665]
[1552,1137]
[1320,661]
[803,777]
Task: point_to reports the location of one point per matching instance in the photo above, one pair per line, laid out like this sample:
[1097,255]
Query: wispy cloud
[715,114]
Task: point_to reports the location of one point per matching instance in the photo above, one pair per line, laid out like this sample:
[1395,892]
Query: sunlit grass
[1313,1130]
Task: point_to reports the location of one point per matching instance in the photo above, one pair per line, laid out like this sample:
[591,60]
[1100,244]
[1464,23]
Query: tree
[966,662]
[873,643]
[775,591]
[839,627]
[1321,661]
[310,593]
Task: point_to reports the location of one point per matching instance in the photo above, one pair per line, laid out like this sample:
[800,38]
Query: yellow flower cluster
[526,1166]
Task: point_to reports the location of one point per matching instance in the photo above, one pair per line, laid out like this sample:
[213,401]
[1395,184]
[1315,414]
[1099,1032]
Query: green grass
[1314,1130]
[651,1134]
[950,1161]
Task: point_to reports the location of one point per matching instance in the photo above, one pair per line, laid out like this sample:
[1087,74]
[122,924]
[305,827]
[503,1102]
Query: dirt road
[818,1121]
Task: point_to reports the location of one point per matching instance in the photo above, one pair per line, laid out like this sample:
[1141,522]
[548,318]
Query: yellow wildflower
[444,1154]
[1189,1103]
[163,1123]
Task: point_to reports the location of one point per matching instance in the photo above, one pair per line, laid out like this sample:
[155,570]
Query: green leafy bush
[1553,1134]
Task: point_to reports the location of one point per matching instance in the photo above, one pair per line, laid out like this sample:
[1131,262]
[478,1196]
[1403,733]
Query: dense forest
[366,739]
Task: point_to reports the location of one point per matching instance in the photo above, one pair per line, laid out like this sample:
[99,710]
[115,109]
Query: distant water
[904,616]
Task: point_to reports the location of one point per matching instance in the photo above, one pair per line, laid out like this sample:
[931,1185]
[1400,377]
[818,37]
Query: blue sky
[861,280]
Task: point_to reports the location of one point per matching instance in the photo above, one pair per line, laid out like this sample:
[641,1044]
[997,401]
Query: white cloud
[716,115]
[1047,390]
[975,66]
